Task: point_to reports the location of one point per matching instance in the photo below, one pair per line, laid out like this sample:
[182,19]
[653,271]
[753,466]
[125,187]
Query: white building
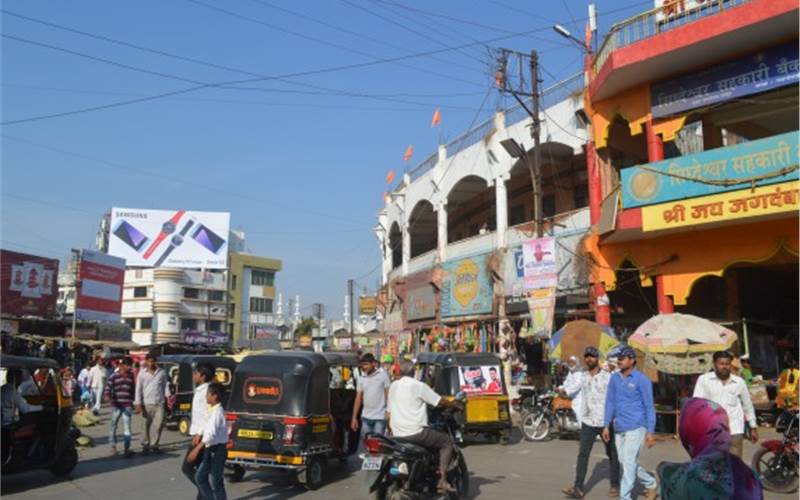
[166,304]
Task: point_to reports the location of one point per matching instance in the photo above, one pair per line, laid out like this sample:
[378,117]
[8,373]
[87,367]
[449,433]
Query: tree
[305,327]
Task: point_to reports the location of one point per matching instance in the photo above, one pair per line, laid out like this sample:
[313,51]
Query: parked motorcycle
[551,416]
[526,401]
[776,462]
[407,471]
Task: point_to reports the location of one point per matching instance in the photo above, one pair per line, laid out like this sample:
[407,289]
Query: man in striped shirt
[120,391]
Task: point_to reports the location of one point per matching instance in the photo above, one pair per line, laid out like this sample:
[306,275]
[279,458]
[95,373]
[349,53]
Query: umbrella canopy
[576,336]
[681,333]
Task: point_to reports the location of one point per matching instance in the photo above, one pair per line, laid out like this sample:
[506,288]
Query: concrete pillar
[712,135]
[501,206]
[595,184]
[655,146]
[406,248]
[602,306]
[666,304]
[441,230]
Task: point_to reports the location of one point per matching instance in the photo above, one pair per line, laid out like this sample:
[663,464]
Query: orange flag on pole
[409,153]
[437,118]
[390,177]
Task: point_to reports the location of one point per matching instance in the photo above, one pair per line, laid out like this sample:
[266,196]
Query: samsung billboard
[170,238]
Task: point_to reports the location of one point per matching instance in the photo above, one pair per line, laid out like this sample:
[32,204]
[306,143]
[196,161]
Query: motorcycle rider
[408,418]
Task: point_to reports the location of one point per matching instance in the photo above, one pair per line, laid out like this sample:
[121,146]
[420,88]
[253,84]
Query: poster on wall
[542,305]
[100,294]
[514,282]
[27,284]
[539,256]
[170,238]
[466,287]
[480,379]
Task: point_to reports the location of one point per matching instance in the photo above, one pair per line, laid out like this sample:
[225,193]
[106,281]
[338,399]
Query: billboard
[27,284]
[466,287]
[101,279]
[170,238]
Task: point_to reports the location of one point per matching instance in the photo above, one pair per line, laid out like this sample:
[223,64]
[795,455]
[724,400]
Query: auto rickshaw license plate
[372,462]
[254,434]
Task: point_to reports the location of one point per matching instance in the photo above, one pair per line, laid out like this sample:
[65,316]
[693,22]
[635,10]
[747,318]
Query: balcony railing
[655,21]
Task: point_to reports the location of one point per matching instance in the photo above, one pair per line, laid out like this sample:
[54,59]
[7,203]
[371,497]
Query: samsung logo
[132,215]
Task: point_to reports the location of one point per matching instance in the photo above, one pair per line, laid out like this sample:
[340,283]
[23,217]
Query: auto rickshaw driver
[12,401]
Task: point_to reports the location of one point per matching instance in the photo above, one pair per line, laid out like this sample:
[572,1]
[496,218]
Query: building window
[191,293]
[145,323]
[581,195]
[233,282]
[548,206]
[216,295]
[232,310]
[230,328]
[259,305]
[214,325]
[262,278]
[131,323]
[188,324]
[140,291]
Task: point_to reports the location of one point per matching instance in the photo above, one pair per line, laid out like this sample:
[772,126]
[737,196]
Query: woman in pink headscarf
[713,472]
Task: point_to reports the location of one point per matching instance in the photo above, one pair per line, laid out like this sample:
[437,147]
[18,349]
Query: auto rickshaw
[480,376]
[180,368]
[39,439]
[288,411]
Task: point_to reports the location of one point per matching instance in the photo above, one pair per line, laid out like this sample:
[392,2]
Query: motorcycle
[776,462]
[526,401]
[408,471]
[552,415]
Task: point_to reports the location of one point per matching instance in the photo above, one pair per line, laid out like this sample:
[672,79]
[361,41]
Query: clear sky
[300,162]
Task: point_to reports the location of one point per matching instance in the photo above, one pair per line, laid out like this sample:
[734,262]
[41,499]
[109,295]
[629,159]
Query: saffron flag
[437,118]
[390,177]
[409,153]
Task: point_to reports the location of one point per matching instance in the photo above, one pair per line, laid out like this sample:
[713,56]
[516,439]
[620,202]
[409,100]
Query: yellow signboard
[764,200]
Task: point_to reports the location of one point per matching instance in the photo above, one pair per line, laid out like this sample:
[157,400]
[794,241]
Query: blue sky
[299,162]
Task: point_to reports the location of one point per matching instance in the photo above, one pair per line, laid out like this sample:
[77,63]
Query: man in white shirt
[572,386]
[730,392]
[594,386]
[13,404]
[97,381]
[372,390]
[408,418]
[203,375]
[212,445]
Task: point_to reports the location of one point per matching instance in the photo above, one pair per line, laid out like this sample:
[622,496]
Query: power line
[318,71]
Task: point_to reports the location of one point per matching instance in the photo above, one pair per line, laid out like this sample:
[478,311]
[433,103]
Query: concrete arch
[470,208]
[422,228]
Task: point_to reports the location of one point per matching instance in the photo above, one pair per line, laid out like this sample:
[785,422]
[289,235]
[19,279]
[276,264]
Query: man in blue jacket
[629,406]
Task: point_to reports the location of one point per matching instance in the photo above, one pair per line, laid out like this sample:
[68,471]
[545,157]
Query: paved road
[520,470]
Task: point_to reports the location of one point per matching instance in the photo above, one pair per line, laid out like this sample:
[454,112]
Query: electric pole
[350,286]
[536,173]
[77,262]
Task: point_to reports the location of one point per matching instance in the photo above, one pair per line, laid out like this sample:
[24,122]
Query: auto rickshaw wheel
[66,462]
[236,474]
[183,426]
[311,476]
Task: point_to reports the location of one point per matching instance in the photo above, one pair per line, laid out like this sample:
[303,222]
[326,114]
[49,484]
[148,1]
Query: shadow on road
[280,485]
[475,483]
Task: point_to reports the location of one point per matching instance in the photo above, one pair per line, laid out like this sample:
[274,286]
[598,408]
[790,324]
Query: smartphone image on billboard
[130,235]
[208,238]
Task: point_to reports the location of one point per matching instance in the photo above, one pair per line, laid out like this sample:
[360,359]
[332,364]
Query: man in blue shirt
[629,407]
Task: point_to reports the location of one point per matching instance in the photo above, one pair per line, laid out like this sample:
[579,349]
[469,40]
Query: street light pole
[77,260]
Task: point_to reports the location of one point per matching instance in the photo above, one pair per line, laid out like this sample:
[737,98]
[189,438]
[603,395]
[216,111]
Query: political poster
[539,258]
[480,379]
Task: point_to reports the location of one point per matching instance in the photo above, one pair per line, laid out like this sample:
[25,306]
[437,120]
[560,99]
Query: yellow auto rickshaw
[480,377]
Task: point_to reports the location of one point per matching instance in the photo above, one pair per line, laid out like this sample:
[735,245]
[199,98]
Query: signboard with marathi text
[765,200]
[769,69]
[466,287]
[672,179]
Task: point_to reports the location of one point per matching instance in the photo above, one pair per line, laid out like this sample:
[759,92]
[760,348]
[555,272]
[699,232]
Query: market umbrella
[576,336]
[681,334]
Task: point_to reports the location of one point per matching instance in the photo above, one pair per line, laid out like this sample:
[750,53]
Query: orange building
[693,169]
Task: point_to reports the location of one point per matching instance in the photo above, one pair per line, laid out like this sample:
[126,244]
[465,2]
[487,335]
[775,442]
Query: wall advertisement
[170,238]
[27,284]
[466,287]
[101,278]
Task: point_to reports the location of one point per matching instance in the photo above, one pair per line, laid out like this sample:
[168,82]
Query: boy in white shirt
[213,447]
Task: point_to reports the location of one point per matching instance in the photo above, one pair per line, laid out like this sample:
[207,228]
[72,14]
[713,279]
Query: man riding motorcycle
[408,418]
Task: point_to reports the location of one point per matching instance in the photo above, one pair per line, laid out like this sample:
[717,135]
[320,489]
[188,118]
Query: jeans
[587,438]
[190,468]
[116,413]
[153,420]
[213,466]
[372,426]
[629,444]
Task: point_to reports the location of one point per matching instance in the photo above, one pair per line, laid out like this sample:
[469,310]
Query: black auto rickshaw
[180,368]
[288,410]
[480,377]
[37,439]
